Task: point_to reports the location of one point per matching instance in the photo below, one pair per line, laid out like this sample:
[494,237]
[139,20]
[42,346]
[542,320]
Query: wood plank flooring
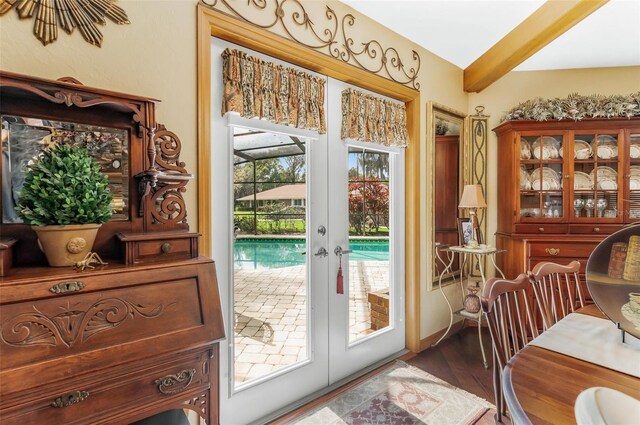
[456,360]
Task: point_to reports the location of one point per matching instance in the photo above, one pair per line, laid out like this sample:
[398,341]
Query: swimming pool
[257,254]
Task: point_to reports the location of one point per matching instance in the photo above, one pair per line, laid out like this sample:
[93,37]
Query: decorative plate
[606,139]
[550,148]
[613,278]
[525,149]
[582,149]
[607,152]
[582,181]
[547,173]
[547,184]
[607,178]
[634,180]
[525,182]
[634,149]
[607,147]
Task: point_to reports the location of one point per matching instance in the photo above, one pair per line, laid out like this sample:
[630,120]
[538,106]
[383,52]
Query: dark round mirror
[613,278]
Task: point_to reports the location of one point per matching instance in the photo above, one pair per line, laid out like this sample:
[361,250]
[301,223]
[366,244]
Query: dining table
[546,383]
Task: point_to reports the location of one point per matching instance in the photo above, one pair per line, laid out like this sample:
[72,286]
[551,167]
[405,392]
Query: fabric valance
[373,119]
[255,88]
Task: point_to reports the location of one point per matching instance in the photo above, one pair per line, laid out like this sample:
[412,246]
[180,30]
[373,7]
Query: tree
[295,171]
[368,205]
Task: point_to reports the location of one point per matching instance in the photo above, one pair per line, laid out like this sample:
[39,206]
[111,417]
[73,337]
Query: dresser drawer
[70,333]
[594,229]
[552,249]
[542,229]
[99,401]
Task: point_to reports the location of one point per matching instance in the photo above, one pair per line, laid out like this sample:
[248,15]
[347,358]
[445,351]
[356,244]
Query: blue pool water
[257,254]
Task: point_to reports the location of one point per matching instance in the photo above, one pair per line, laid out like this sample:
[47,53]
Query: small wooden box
[6,255]
[142,248]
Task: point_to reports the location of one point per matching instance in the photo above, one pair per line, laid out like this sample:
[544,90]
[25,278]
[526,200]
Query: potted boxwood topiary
[66,199]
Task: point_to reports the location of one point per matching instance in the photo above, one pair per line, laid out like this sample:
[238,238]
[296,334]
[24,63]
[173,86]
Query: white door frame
[251,401]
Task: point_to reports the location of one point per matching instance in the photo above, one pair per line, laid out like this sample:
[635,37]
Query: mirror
[446,138]
[23,139]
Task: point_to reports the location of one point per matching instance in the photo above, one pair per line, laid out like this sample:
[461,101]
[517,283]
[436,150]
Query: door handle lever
[340,251]
[321,253]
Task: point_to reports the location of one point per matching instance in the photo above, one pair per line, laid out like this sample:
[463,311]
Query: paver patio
[271,319]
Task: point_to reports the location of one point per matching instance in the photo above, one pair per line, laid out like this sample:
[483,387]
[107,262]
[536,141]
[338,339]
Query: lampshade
[472,197]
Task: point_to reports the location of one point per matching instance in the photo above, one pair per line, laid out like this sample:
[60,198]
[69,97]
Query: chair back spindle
[557,290]
[511,324]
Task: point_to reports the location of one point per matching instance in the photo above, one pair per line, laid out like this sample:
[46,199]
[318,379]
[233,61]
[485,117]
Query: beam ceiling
[547,23]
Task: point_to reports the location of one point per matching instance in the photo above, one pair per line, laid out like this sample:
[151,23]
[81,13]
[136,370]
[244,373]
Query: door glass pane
[369,231]
[270,267]
[595,182]
[541,176]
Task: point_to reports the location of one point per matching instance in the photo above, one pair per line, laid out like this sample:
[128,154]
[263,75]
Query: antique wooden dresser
[122,341]
[563,186]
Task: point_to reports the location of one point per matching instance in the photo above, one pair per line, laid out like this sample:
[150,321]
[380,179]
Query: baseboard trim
[431,339]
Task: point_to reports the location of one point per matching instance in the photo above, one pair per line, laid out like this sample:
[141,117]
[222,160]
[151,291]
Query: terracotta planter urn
[66,245]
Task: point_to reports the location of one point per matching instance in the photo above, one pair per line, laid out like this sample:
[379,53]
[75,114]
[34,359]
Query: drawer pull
[552,251]
[69,399]
[167,383]
[596,229]
[64,287]
[165,247]
[541,229]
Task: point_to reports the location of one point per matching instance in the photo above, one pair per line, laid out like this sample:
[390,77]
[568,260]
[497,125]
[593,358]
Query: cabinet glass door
[596,177]
[633,180]
[541,177]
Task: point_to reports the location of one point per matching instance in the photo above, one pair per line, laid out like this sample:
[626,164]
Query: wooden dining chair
[557,290]
[505,304]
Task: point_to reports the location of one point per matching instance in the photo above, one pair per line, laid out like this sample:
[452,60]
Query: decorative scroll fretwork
[162,184]
[72,327]
[174,384]
[476,172]
[71,14]
[334,40]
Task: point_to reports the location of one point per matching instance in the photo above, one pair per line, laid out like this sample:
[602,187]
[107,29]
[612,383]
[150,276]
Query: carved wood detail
[74,98]
[200,404]
[72,327]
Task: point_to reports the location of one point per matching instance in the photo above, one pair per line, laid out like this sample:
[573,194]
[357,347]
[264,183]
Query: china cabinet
[119,342]
[563,186]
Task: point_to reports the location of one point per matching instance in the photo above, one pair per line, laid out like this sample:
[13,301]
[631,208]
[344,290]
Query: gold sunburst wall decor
[70,14]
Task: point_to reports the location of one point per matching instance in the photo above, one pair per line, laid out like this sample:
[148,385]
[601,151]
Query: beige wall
[156,56]
[517,87]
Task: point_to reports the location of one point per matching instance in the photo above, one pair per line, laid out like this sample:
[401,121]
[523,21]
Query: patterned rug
[399,395]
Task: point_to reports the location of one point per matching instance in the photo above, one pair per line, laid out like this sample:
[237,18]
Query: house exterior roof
[289,191]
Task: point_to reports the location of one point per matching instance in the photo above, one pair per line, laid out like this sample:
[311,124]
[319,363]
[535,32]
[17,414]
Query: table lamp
[472,198]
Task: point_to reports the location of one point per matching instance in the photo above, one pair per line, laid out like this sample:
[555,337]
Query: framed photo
[465,231]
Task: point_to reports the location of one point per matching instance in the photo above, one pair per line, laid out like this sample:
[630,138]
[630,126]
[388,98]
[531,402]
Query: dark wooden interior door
[446,194]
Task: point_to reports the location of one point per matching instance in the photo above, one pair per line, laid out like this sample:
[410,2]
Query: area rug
[402,395]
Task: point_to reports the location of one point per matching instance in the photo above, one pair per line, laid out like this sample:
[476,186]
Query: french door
[290,208]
